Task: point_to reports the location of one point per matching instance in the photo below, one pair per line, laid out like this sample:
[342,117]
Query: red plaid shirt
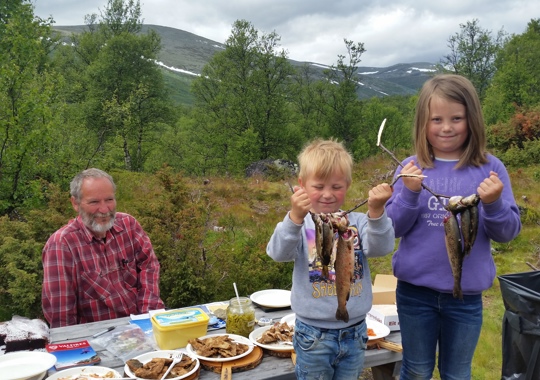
[86,279]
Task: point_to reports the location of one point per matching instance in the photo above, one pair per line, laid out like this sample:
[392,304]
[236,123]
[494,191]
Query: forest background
[100,100]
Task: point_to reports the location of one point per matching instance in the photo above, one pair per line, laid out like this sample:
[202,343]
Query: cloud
[395,31]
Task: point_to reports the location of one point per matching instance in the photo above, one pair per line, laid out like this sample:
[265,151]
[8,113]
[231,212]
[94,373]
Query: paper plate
[23,365]
[379,329]
[236,338]
[90,371]
[257,333]
[145,358]
[275,298]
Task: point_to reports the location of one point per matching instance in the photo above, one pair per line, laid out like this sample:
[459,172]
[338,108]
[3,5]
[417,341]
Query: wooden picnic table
[385,364]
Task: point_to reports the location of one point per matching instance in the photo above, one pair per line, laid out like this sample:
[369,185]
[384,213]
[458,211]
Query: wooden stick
[438,196]
[532,266]
[392,184]
[355,207]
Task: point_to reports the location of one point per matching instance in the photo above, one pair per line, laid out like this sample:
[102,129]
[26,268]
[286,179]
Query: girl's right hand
[412,183]
[300,205]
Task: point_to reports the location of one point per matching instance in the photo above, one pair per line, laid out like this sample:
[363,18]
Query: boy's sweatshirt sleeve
[379,236]
[286,241]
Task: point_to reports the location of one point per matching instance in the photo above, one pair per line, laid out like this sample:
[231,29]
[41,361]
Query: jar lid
[240,301]
[264,322]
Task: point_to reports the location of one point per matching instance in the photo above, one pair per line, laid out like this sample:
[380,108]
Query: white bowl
[25,365]
[80,371]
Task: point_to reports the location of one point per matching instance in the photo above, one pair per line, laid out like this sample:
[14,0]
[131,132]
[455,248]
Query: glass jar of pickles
[240,317]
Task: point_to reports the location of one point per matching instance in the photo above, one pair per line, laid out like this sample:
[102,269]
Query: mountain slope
[184,55]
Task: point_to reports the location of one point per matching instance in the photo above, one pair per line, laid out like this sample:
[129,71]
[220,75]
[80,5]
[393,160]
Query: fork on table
[177,358]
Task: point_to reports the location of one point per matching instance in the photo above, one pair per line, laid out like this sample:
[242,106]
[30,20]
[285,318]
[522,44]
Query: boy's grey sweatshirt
[314,298]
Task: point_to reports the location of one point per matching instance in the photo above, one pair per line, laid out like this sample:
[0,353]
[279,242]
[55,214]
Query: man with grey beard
[101,265]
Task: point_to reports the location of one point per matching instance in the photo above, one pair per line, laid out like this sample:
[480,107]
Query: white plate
[145,358]
[379,329]
[81,371]
[236,338]
[25,364]
[290,319]
[257,333]
[272,298]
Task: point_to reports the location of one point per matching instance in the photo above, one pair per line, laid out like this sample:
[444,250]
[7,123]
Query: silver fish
[327,245]
[455,205]
[452,238]
[318,234]
[473,210]
[339,221]
[458,203]
[471,200]
[344,269]
[466,230]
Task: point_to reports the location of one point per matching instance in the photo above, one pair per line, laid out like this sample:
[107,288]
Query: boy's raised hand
[377,198]
[300,205]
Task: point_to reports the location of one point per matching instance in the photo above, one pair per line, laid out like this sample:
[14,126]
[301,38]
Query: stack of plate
[272,298]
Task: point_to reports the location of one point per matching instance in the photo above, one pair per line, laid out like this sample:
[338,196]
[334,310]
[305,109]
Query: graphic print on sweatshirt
[434,211]
[315,265]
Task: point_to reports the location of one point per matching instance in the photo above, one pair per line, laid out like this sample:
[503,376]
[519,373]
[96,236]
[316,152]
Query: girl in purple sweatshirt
[450,145]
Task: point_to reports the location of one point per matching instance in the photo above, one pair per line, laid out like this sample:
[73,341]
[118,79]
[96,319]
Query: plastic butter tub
[173,328]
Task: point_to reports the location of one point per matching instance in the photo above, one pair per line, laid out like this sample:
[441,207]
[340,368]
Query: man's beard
[89,221]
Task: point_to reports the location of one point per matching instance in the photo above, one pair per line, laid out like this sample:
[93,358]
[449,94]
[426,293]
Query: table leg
[388,371]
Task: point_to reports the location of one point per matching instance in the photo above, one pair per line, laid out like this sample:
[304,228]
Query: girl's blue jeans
[326,354]
[428,319]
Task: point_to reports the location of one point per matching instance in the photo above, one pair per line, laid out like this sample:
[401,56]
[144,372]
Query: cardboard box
[384,289]
[385,314]
[173,328]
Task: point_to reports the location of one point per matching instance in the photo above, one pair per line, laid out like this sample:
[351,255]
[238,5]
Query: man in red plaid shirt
[101,265]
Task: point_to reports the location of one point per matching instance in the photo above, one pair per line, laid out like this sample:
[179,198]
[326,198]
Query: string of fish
[327,226]
[460,235]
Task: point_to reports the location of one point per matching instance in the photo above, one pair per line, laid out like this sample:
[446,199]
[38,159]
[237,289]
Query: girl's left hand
[412,183]
[490,189]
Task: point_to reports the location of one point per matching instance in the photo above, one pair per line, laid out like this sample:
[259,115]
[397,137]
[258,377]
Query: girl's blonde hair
[453,88]
[322,158]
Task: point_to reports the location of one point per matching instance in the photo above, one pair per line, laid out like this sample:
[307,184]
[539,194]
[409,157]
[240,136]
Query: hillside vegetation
[200,262]
[190,52]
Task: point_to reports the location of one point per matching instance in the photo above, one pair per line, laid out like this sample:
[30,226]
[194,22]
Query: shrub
[528,155]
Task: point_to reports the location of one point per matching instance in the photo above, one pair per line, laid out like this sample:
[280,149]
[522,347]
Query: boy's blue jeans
[326,354]
[428,318]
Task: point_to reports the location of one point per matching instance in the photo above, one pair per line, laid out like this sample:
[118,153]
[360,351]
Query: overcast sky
[392,31]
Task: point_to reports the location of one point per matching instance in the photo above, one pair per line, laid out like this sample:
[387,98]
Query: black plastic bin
[521,326]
